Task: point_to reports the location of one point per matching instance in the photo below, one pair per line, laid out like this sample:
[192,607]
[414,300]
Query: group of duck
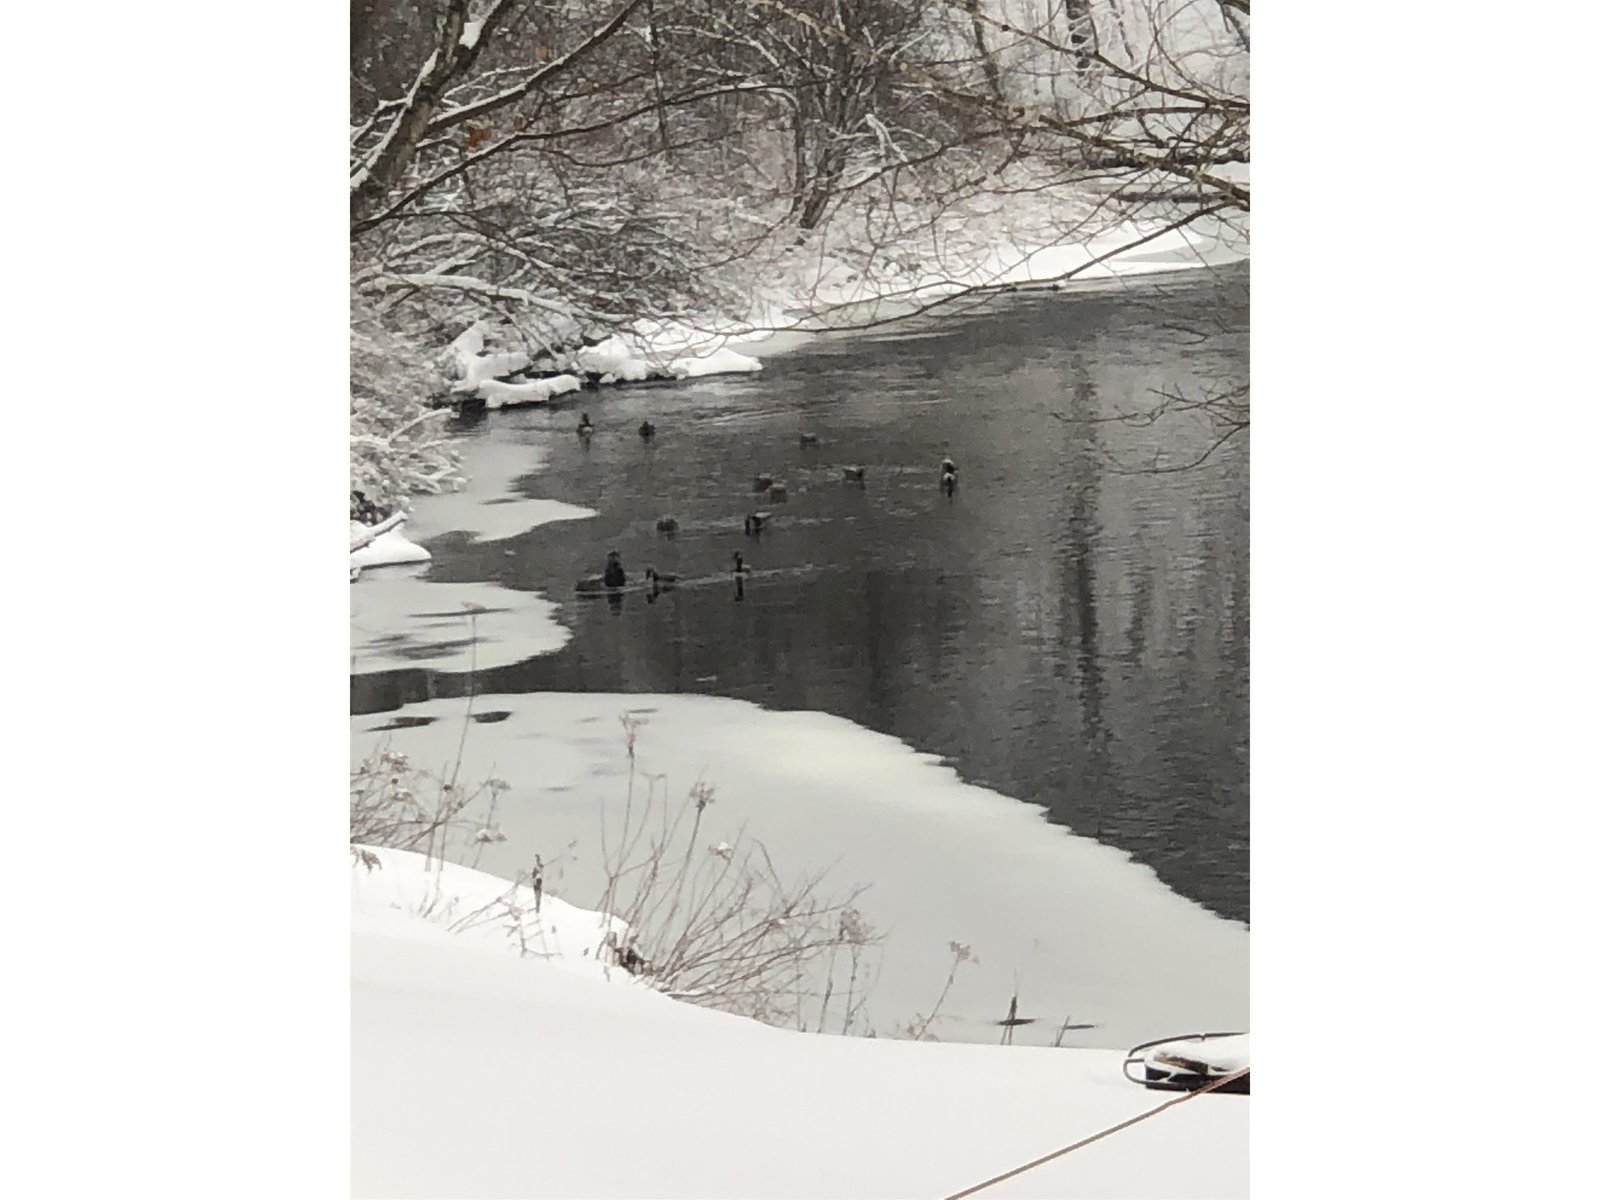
[615,577]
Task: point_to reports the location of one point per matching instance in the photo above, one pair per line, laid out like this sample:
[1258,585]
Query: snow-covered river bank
[479,1072]
[1069,925]
[1073,927]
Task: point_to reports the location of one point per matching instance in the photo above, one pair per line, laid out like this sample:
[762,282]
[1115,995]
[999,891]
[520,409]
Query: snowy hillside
[478,1071]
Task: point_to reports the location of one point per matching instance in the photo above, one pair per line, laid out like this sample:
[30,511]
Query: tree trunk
[389,161]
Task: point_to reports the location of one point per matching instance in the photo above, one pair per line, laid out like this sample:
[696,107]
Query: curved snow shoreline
[477,1070]
[1076,926]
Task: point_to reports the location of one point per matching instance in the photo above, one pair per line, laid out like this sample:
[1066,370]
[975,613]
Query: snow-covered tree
[570,167]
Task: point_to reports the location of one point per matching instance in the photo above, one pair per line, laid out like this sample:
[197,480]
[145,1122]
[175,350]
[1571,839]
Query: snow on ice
[492,509]
[404,620]
[1077,926]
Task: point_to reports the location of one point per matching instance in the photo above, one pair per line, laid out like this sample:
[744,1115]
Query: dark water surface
[1069,628]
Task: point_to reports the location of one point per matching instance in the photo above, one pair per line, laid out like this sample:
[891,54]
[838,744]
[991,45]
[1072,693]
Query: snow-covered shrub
[397,446]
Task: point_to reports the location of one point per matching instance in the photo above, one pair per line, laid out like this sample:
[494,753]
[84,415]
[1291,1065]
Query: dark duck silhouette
[647,431]
[855,475]
[585,426]
[667,525]
[615,576]
[947,475]
[754,522]
[739,567]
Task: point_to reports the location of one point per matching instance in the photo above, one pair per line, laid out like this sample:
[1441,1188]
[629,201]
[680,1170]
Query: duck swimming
[808,439]
[667,525]
[739,567]
[615,576]
[585,426]
[647,431]
[753,523]
[855,474]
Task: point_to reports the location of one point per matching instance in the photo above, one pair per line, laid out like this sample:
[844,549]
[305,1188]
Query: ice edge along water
[399,618]
[1101,945]
[1073,927]
[825,290]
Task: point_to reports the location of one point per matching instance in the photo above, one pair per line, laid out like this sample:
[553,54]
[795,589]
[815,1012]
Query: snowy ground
[1076,927]
[480,1071]
[860,267]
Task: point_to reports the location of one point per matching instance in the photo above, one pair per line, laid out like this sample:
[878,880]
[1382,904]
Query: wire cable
[1095,1137]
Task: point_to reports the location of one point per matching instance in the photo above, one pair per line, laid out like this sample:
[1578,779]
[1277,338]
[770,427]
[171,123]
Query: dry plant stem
[850,990]
[716,925]
[472,691]
[933,1015]
[919,1026]
[827,992]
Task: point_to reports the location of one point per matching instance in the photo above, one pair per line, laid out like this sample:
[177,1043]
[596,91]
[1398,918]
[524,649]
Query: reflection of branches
[1227,411]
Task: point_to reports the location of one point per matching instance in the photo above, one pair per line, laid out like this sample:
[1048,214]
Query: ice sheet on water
[491,510]
[399,619]
[1081,929]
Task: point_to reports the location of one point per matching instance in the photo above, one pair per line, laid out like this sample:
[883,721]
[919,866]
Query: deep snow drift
[499,1060]
[1077,928]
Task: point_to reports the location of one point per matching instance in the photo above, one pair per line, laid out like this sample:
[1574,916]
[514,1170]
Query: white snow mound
[492,1056]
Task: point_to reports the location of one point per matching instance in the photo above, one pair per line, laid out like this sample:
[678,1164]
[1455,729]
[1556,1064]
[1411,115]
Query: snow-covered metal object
[1189,1061]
